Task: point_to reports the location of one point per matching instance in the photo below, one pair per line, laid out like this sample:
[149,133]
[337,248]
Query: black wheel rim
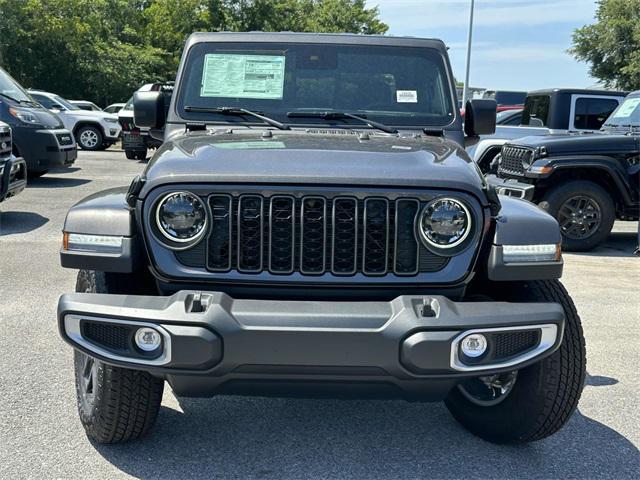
[88,379]
[579,217]
[490,390]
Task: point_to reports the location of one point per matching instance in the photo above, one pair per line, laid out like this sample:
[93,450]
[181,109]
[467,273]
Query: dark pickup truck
[13,171]
[312,226]
[586,181]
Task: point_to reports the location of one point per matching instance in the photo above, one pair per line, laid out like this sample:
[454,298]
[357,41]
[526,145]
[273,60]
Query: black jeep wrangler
[312,226]
[585,181]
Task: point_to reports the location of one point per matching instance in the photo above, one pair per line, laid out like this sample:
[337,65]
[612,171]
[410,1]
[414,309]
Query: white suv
[92,130]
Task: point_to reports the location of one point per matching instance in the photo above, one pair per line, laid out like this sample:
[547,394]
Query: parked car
[136,141]
[13,171]
[92,130]
[39,136]
[506,100]
[114,107]
[585,181]
[86,105]
[509,117]
[555,111]
[310,250]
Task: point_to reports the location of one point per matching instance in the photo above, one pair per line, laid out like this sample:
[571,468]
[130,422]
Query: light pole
[465,90]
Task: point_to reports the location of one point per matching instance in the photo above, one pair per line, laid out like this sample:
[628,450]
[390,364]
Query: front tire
[114,404]
[540,398]
[89,138]
[585,212]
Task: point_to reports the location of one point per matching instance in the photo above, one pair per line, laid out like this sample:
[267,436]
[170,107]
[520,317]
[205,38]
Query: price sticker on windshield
[406,96]
[243,76]
[627,108]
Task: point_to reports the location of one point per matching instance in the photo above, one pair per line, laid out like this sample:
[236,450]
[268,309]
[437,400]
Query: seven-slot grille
[513,159]
[312,235]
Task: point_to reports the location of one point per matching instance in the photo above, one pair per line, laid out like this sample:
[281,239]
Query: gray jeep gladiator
[312,226]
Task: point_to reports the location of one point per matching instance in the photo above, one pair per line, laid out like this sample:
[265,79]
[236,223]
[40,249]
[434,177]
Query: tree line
[102,50]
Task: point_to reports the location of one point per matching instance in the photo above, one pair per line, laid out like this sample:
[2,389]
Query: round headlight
[181,217]
[444,223]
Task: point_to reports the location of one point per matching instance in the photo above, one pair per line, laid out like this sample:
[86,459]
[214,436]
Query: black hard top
[579,91]
[328,38]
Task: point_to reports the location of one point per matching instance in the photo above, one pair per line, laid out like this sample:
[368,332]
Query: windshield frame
[197,50]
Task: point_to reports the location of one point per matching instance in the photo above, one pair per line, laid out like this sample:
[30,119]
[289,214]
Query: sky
[517,44]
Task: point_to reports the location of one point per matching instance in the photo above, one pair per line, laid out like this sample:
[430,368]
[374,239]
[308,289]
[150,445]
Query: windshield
[66,104]
[11,88]
[392,85]
[626,115]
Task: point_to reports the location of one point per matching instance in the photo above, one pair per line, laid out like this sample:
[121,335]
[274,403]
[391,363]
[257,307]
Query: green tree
[611,46]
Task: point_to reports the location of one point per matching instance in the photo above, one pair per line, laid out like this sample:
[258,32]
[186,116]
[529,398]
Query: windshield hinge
[195,127]
[433,132]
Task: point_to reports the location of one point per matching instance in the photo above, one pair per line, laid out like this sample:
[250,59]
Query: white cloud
[414,16]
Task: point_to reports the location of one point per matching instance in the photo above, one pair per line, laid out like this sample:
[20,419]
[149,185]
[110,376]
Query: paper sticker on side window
[243,76]
[406,96]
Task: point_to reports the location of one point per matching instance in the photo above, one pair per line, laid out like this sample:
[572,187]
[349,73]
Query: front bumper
[511,187]
[212,343]
[13,177]
[43,149]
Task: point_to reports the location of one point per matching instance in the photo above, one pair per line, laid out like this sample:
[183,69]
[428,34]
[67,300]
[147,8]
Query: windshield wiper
[239,112]
[331,115]
[11,98]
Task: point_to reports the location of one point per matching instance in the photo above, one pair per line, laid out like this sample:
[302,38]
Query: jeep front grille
[513,160]
[312,235]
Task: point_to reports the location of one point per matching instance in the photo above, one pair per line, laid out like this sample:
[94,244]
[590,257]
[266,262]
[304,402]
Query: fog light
[474,345]
[148,339]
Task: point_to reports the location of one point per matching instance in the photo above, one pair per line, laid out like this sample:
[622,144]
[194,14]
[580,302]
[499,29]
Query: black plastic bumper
[13,177]
[44,149]
[511,187]
[213,343]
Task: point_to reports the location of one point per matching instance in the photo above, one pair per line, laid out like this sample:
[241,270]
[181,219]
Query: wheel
[114,404]
[585,212]
[89,138]
[535,402]
[136,154]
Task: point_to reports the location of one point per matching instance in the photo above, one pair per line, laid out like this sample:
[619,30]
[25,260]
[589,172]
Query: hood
[94,114]
[313,157]
[593,143]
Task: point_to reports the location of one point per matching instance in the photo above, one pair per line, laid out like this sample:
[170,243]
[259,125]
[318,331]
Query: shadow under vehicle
[315,228]
[585,181]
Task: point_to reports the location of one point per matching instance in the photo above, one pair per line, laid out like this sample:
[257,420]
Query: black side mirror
[149,109]
[480,117]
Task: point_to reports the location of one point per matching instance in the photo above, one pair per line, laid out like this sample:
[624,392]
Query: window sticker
[406,96]
[243,76]
[627,108]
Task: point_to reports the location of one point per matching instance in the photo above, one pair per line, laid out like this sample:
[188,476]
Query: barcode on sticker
[406,96]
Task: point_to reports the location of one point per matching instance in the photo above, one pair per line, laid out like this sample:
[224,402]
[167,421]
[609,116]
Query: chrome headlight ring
[199,220]
[452,217]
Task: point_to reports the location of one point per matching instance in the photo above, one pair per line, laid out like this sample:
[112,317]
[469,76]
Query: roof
[582,91]
[318,38]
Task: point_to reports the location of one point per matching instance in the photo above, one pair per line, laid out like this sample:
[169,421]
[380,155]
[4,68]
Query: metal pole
[465,90]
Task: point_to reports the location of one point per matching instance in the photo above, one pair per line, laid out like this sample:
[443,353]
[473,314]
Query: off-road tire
[95,131]
[546,393]
[556,197]
[125,402]
[136,154]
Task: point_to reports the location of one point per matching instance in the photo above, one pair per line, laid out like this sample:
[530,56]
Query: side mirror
[480,117]
[148,109]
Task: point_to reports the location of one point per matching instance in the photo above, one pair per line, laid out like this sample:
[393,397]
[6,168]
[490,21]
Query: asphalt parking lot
[235,437]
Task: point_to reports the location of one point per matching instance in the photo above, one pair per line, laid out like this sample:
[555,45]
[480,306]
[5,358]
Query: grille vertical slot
[313,235]
[375,249]
[406,251]
[219,251]
[250,233]
[281,234]
[344,240]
